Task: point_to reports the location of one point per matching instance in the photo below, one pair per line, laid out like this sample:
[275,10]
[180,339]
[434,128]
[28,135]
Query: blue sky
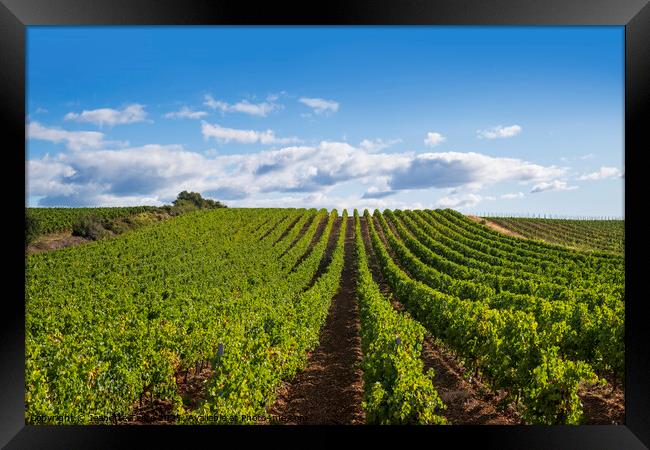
[481,119]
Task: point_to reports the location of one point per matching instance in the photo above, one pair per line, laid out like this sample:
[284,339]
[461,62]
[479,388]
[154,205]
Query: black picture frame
[16,15]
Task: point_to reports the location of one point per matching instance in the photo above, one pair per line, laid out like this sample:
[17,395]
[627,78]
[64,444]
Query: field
[307,316]
[51,220]
[594,235]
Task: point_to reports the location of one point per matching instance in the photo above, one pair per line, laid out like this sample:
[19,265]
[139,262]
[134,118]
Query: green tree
[197,200]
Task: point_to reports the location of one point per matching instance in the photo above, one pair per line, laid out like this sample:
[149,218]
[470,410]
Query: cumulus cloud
[107,116]
[320,105]
[103,177]
[453,169]
[74,140]
[373,192]
[244,106]
[602,174]
[499,132]
[161,172]
[158,173]
[512,195]
[243,136]
[324,200]
[555,185]
[460,201]
[432,139]
[376,145]
[185,113]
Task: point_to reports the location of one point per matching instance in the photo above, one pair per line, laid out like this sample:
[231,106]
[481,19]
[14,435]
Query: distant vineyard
[52,220]
[114,324]
[596,235]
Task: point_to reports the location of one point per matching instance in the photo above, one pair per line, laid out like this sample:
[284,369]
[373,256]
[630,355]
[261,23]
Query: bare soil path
[330,389]
[55,241]
[603,405]
[496,227]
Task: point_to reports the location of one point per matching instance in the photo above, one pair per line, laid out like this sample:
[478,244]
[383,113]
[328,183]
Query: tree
[197,200]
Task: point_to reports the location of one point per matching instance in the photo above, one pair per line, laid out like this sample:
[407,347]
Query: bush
[182,207]
[198,201]
[142,219]
[115,226]
[89,226]
[32,228]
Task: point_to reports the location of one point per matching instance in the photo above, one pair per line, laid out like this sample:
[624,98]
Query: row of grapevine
[549,250]
[424,239]
[599,275]
[396,388]
[110,321]
[591,334]
[503,345]
[593,235]
[274,342]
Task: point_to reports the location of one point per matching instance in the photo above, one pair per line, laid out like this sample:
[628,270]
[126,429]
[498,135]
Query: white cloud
[555,185]
[432,139]
[582,157]
[603,173]
[320,105]
[158,173]
[243,136]
[46,175]
[459,201]
[377,145]
[107,116]
[40,110]
[473,170]
[323,200]
[185,113]
[512,195]
[74,140]
[211,103]
[244,106]
[275,96]
[499,132]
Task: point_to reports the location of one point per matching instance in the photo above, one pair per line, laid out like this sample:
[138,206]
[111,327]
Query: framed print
[414,218]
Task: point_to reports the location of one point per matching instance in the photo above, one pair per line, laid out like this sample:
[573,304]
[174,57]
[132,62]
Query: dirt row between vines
[467,399]
[330,389]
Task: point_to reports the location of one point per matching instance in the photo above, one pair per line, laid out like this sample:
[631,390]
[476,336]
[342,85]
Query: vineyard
[51,220]
[232,315]
[595,235]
